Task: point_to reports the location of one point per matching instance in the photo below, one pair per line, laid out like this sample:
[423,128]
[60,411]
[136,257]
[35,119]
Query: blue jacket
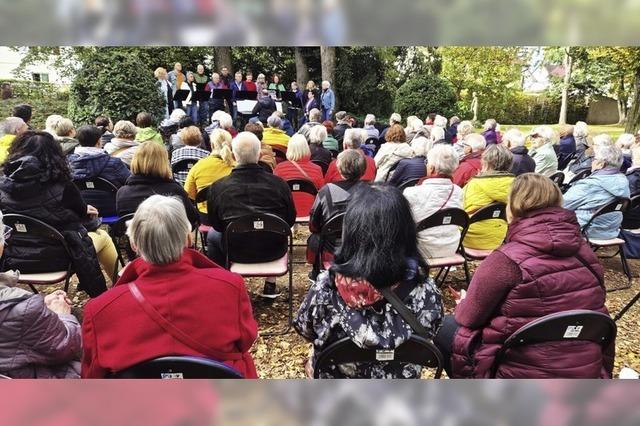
[567,145]
[98,165]
[287,127]
[586,196]
[407,169]
[328,100]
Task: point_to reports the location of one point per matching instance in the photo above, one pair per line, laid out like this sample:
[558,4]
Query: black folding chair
[557,178]
[201,197]
[408,184]
[375,142]
[581,175]
[323,165]
[118,234]
[178,367]
[581,325]
[33,231]
[330,232]
[183,166]
[260,225]
[618,205]
[102,194]
[564,160]
[417,350]
[490,212]
[447,217]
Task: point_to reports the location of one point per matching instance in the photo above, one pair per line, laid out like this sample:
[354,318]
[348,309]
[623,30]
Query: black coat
[522,162]
[264,108]
[338,133]
[632,217]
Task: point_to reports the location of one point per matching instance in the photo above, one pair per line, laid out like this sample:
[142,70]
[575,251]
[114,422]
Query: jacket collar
[241,168]
[520,150]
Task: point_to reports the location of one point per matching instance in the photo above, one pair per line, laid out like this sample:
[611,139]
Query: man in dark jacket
[264,108]
[522,162]
[340,127]
[249,189]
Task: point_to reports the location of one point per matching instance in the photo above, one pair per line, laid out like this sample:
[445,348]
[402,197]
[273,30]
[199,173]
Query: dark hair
[185,121]
[256,129]
[432,116]
[144,119]
[102,122]
[45,148]
[328,124]
[378,236]
[23,111]
[89,135]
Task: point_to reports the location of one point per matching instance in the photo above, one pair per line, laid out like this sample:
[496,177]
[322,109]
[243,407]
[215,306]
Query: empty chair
[178,367]
[101,194]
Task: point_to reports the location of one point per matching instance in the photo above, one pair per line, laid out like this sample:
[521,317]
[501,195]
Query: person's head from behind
[341,116]
[51,123]
[625,141]
[315,115]
[497,158]
[317,135]
[64,128]
[42,146]
[274,121]
[465,128]
[144,120]
[431,117]
[176,115]
[328,124]
[395,119]
[531,192]
[151,159]
[246,148]
[104,123]
[125,130]
[490,124]
[191,136]
[353,139]
[421,146]
[392,239]
[414,124]
[455,120]
[513,138]
[89,136]
[396,134]
[437,133]
[23,111]
[607,157]
[351,165]
[440,121]
[370,120]
[224,119]
[580,130]
[565,130]
[441,161]
[298,148]
[160,230]
[221,146]
[160,73]
[13,126]
[256,129]
[474,143]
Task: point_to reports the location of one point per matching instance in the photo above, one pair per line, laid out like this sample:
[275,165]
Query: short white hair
[546,133]
[353,139]
[608,155]
[437,133]
[414,123]
[317,134]
[246,148]
[625,141]
[514,138]
[580,130]
[177,114]
[421,146]
[440,121]
[443,158]
[315,115]
[274,121]
[370,120]
[11,125]
[298,148]
[51,123]
[159,230]
[476,142]
[490,124]
[602,140]
[326,84]
[225,120]
[395,118]
[465,128]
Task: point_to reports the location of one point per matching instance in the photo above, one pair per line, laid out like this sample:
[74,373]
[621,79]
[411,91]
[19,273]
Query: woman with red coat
[198,298]
[544,267]
[299,166]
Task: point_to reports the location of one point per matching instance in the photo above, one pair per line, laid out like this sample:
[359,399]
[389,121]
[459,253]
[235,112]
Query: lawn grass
[613,130]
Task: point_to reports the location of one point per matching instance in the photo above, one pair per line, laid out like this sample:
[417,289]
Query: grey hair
[602,140]
[609,155]
[443,158]
[476,142]
[440,121]
[159,229]
[11,125]
[454,120]
[274,121]
[514,138]
[326,83]
[317,135]
[395,118]
[465,128]
[546,133]
[498,158]
[246,148]
[370,119]
[315,115]
[580,130]
[353,139]
[420,146]
[351,164]
[125,130]
[437,133]
[625,141]
[225,120]
[490,124]
[177,114]
[190,73]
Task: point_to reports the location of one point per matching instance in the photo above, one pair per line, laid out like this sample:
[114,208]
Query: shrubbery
[425,94]
[46,99]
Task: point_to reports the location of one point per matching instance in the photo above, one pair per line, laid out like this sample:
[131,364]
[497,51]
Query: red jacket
[249,86]
[203,300]
[468,168]
[333,175]
[287,171]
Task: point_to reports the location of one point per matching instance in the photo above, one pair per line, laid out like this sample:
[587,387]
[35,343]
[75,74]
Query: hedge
[45,98]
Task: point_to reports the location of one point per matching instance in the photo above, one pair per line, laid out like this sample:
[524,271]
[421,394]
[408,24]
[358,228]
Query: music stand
[181,95]
[246,95]
[222,94]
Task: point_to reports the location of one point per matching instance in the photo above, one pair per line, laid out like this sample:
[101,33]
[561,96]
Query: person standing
[201,81]
[216,83]
[225,76]
[166,91]
[236,86]
[249,85]
[176,78]
[328,101]
[276,85]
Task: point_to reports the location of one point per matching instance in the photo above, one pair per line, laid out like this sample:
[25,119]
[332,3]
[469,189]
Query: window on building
[40,76]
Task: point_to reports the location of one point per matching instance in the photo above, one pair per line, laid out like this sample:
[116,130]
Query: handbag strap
[404,312]
[448,198]
[176,333]
[590,268]
[301,170]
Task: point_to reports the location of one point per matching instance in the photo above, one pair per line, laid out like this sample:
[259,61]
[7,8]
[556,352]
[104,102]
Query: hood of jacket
[615,183]
[27,169]
[494,184]
[519,150]
[117,143]
[88,164]
[146,133]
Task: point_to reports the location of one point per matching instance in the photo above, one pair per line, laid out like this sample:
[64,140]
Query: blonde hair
[160,72]
[298,148]
[532,191]
[311,85]
[635,155]
[125,130]
[221,146]
[151,159]
[191,136]
[64,127]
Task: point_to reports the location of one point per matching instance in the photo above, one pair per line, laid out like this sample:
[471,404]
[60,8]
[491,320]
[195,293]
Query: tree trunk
[623,99]
[222,58]
[568,63]
[633,116]
[328,63]
[302,71]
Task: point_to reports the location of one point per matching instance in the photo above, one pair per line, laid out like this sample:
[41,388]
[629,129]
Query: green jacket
[149,134]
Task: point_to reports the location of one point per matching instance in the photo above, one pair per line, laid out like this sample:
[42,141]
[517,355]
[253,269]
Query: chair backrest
[634,202]
[303,186]
[580,175]
[557,178]
[416,350]
[323,165]
[564,160]
[178,367]
[616,205]
[331,231]
[95,184]
[203,195]
[118,234]
[257,226]
[451,216]
[184,165]
[408,183]
[573,325]
[492,211]
[100,193]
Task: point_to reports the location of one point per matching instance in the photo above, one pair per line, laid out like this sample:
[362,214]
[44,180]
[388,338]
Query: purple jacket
[490,136]
[535,273]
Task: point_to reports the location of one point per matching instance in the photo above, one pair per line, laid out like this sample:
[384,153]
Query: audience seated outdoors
[567,144]
[315,118]
[391,152]
[464,129]
[412,168]
[330,142]
[37,183]
[544,267]
[123,145]
[273,133]
[352,140]
[221,120]
[40,337]
[605,184]
[490,135]
[332,199]
[415,128]
[491,185]
[63,131]
[208,304]
[435,193]
[346,302]
[470,163]
[542,151]
[146,131]
[522,162]
[370,127]
[632,217]
[10,128]
[210,169]
[316,138]
[151,174]
[191,137]
[624,143]
[247,190]
[267,154]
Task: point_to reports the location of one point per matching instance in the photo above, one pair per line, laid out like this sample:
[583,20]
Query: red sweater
[288,171]
[468,168]
[249,86]
[333,175]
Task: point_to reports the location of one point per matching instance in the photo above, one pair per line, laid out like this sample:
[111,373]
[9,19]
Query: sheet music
[245,106]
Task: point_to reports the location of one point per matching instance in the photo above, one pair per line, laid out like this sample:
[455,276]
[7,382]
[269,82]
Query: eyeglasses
[7,232]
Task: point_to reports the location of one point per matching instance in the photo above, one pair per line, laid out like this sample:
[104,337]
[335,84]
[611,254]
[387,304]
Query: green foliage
[116,83]
[45,98]
[422,95]
[535,109]
[265,60]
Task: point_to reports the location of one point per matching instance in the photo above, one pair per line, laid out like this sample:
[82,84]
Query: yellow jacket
[480,192]
[5,144]
[272,136]
[205,172]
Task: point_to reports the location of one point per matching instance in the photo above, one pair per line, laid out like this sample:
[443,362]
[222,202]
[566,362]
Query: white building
[44,71]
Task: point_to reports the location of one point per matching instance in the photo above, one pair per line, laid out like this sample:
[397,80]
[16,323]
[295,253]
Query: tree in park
[425,94]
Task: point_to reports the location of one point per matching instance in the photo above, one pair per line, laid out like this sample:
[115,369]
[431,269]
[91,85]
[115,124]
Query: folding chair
[183,166]
[118,234]
[280,153]
[201,197]
[490,212]
[28,228]
[331,231]
[583,174]
[447,217]
[564,160]
[302,188]
[260,225]
[323,165]
[416,350]
[582,325]
[618,205]
[100,193]
[557,178]
[408,184]
[178,367]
